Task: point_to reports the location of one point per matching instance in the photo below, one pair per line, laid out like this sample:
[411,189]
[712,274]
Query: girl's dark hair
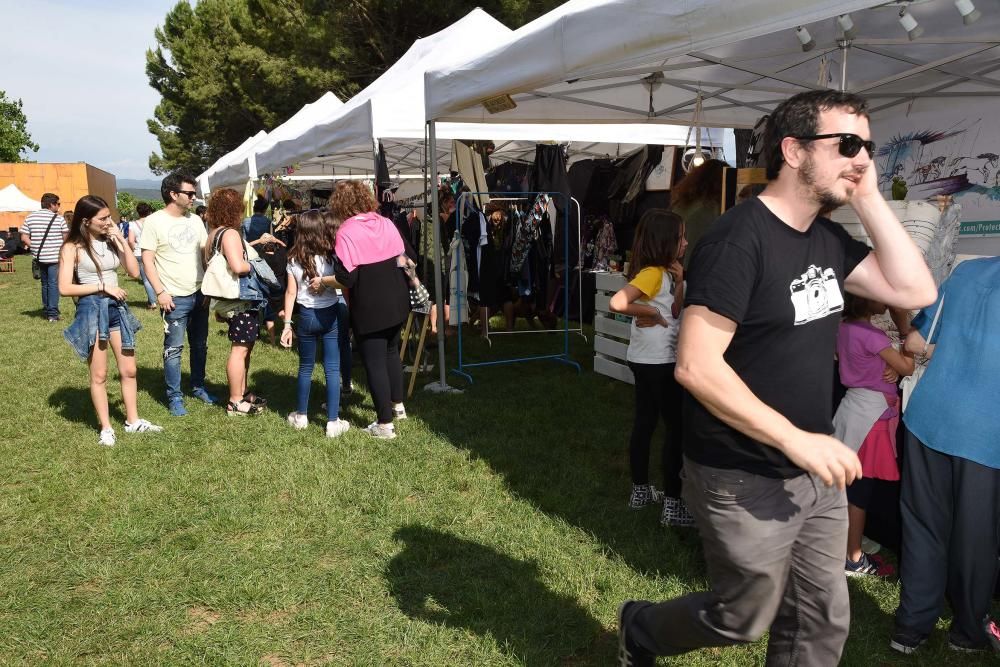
[858,307]
[142,209]
[314,237]
[702,183]
[656,241]
[225,209]
[87,207]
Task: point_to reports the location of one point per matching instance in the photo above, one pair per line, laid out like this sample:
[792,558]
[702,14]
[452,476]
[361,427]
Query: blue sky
[79,68]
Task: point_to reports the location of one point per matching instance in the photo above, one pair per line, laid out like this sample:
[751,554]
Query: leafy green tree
[126,203]
[14,136]
[226,69]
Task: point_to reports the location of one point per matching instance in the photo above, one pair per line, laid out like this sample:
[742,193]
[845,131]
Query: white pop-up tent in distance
[12,200]
[240,165]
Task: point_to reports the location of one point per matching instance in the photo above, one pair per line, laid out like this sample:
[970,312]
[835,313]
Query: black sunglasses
[850,144]
[190,193]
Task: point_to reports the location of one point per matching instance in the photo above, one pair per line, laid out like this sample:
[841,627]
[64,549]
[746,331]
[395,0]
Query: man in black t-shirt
[763,477]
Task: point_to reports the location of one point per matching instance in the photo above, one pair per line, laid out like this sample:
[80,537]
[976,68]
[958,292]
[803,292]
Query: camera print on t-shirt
[816,294]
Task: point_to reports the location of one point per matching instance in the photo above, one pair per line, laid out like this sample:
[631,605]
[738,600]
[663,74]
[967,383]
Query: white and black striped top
[34,226]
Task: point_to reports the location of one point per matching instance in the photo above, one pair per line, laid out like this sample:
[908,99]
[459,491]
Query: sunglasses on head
[850,144]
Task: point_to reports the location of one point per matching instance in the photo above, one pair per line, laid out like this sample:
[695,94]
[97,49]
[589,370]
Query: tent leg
[442,384]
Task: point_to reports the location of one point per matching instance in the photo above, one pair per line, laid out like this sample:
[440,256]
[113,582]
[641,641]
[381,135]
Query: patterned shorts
[243,327]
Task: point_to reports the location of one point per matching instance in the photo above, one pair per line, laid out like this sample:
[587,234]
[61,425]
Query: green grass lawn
[492,531]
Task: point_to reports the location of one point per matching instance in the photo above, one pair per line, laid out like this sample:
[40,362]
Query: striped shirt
[35,225]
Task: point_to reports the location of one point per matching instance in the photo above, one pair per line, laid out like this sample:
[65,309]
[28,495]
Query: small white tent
[13,200]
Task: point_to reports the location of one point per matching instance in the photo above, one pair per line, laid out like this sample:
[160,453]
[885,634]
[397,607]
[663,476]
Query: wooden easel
[409,330]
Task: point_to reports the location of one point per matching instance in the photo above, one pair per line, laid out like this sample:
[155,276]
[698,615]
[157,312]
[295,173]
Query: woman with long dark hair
[320,315]
[88,270]
[368,248]
[697,198]
[225,213]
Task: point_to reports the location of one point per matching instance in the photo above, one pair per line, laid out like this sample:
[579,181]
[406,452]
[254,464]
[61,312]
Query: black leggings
[657,395]
[380,355]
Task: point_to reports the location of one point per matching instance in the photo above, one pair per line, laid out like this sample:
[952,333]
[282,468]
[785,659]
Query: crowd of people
[346,247]
[732,347]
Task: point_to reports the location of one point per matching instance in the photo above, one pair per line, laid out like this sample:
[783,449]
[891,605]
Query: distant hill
[141,193]
[129,184]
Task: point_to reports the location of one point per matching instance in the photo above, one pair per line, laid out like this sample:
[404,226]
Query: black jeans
[951,509]
[380,355]
[657,395]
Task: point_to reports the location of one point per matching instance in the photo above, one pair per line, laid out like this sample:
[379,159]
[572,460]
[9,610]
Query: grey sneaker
[381,431]
[906,641]
[398,411]
[675,513]
[644,494]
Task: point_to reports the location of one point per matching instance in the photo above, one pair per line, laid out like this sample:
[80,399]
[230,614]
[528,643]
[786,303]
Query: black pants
[380,355]
[657,395]
[951,509]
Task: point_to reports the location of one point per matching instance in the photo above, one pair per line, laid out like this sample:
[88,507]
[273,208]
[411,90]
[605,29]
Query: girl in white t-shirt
[653,297]
[134,235]
[320,313]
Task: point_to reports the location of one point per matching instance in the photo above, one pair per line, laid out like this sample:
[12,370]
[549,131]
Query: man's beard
[826,198]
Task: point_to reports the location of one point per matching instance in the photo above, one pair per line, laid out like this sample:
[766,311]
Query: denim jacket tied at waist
[92,323]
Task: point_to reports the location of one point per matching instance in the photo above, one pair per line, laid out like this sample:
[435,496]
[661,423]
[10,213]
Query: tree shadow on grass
[74,404]
[442,579]
[150,380]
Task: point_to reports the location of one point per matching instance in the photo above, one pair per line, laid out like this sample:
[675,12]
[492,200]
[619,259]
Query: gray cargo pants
[775,552]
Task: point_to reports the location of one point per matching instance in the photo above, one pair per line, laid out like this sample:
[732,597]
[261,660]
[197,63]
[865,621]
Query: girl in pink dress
[869,368]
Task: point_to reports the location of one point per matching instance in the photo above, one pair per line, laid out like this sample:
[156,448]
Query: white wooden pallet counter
[611,334]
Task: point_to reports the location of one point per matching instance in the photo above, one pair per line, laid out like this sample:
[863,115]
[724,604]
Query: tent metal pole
[436,222]
[845,46]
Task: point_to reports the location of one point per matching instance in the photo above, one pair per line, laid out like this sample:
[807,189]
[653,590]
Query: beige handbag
[219,281]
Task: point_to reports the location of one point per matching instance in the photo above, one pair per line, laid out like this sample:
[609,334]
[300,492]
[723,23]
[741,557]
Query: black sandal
[253,398]
[233,409]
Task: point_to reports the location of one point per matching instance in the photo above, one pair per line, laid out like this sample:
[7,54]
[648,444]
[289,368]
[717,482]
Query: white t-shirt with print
[178,243]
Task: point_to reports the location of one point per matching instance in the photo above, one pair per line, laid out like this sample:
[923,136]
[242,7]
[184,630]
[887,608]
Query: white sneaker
[142,426]
[398,411]
[107,438]
[337,428]
[381,431]
[297,420]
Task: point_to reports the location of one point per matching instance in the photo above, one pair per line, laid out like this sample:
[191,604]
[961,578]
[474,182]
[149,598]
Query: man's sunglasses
[850,144]
[191,194]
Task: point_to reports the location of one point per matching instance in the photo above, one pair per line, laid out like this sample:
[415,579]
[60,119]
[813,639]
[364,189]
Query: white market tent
[239,166]
[648,61]
[13,200]
[391,110]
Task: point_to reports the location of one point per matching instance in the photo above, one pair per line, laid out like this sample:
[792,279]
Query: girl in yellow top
[653,297]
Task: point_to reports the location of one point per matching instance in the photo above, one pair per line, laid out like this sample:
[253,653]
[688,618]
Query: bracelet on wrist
[161,291]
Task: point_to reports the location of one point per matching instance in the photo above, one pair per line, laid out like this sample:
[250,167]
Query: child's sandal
[253,398]
[234,409]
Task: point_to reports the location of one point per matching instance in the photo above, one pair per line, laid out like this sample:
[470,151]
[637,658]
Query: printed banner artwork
[950,150]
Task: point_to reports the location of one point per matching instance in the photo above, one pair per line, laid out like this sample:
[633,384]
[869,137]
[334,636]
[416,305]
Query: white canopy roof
[391,109]
[596,60]
[238,166]
[13,200]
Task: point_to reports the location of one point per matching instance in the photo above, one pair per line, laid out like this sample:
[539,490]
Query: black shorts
[860,492]
[244,327]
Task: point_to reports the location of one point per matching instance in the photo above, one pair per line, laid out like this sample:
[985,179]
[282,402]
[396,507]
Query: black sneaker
[906,641]
[630,654]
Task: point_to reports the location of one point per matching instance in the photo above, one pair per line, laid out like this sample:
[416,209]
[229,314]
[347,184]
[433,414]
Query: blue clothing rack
[562,357]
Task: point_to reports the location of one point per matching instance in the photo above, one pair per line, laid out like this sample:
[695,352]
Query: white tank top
[106,271]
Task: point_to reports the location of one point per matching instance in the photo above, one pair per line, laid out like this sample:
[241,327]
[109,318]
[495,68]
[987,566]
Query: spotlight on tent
[913,30]
[847,26]
[694,157]
[805,39]
[968,11]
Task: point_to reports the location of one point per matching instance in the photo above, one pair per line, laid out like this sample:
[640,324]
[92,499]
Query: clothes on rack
[459,288]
